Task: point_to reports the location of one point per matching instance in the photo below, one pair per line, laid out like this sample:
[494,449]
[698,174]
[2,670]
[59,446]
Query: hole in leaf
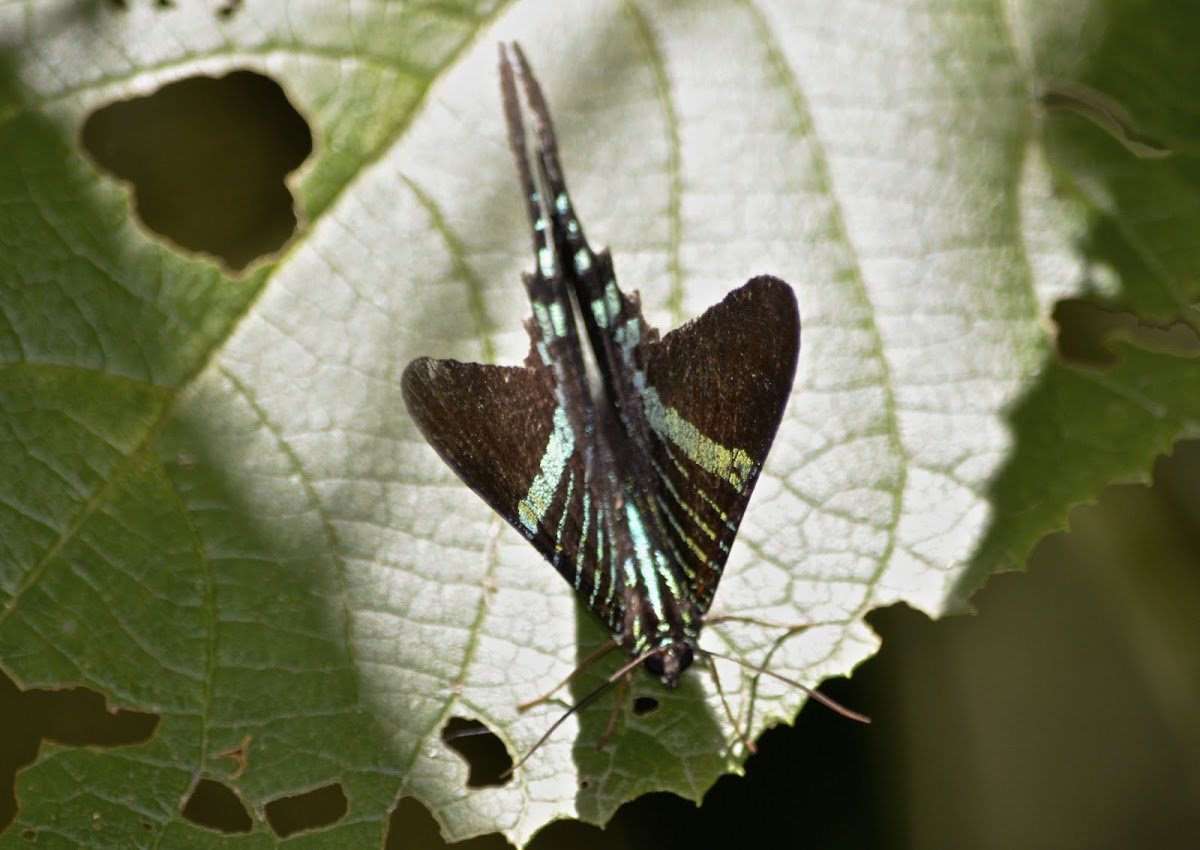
[483,751]
[644,706]
[206,159]
[76,717]
[1086,331]
[411,825]
[214,805]
[311,810]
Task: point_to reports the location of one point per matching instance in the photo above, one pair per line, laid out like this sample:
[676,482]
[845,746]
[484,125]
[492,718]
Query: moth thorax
[669,662]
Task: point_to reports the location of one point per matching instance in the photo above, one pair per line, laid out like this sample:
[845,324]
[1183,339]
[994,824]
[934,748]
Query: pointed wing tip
[411,381]
[769,286]
[416,383]
[413,371]
[770,289]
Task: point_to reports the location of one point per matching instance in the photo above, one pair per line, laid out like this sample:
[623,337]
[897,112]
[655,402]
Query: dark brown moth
[630,479]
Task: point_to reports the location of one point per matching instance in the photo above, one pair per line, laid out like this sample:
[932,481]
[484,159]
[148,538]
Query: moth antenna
[583,703]
[611,726]
[812,692]
[473,732]
[607,647]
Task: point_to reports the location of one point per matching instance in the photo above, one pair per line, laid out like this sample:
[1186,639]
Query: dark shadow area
[316,809]
[76,717]
[412,827]
[803,780]
[1062,715]
[481,749]
[1086,330]
[206,160]
[584,836]
[214,805]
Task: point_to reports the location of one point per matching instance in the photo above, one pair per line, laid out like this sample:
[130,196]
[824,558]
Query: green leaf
[215,507]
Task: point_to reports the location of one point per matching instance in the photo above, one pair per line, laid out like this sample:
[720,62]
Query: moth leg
[788,629]
[619,676]
[622,690]
[813,693]
[712,668]
[607,647]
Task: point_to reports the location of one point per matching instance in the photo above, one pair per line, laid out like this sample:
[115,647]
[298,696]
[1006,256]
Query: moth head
[669,662]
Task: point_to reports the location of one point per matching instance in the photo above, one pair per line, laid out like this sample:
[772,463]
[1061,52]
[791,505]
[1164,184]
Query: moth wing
[501,429]
[716,389]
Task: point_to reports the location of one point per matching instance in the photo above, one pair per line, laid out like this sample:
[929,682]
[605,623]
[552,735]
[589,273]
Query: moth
[629,477]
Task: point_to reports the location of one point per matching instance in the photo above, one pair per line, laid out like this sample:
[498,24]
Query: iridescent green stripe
[651,568]
[642,555]
[732,465]
[551,319]
[547,266]
[603,518]
[582,543]
[682,535]
[532,509]
[704,497]
[692,515]
[605,309]
[562,519]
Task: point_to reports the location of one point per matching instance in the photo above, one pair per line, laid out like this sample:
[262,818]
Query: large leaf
[216,508]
